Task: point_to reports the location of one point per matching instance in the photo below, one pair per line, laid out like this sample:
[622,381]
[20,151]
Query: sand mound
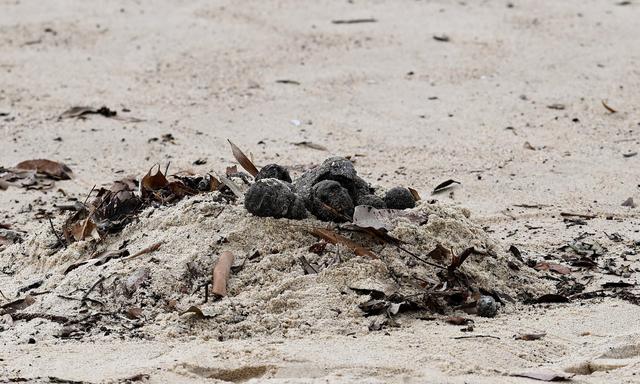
[269,292]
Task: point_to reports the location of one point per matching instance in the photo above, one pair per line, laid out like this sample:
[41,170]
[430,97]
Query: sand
[409,109]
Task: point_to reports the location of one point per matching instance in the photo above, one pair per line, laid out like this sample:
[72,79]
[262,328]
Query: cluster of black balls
[330,192]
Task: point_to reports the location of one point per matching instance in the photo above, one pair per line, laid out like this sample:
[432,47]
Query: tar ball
[399,198]
[372,201]
[487,306]
[331,201]
[274,198]
[274,171]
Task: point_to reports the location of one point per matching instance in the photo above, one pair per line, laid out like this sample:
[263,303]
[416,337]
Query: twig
[475,337]
[89,195]
[221,273]
[580,215]
[64,244]
[149,249]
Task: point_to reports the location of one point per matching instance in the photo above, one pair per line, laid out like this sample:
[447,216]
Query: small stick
[89,195]
[580,215]
[475,337]
[221,273]
[56,234]
[149,249]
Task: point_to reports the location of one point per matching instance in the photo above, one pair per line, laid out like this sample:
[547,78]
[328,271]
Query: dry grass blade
[334,238]
[243,159]
[608,108]
[221,273]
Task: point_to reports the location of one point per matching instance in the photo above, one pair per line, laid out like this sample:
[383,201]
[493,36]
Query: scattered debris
[285,81]
[558,107]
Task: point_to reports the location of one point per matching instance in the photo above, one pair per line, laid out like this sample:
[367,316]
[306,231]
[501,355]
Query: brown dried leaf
[82,229]
[52,169]
[221,273]
[415,194]
[243,159]
[530,336]
[439,253]
[552,267]
[154,182]
[458,320]
[134,313]
[334,238]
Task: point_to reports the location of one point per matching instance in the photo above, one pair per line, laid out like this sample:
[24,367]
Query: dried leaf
[545,375]
[221,273]
[442,38]
[608,108]
[334,238]
[439,253]
[134,312]
[232,186]
[52,169]
[415,194]
[558,107]
[154,182]
[311,145]
[619,284]
[243,160]
[197,313]
[530,336]
[458,320]
[445,185]
[82,229]
[553,267]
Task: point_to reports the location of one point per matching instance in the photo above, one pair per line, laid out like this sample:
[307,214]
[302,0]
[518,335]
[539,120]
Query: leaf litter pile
[240,254]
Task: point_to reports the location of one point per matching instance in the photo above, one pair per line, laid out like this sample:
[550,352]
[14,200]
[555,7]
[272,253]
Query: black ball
[331,201]
[372,201]
[399,198]
[274,198]
[274,171]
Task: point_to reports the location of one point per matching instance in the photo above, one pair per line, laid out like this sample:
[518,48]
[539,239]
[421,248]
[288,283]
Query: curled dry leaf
[197,313]
[221,273]
[243,159]
[334,238]
[415,194]
[530,336]
[17,305]
[52,169]
[153,182]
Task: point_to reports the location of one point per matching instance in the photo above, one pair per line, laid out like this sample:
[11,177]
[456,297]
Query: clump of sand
[269,292]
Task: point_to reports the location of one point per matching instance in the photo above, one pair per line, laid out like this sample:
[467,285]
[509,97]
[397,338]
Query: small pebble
[487,306]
